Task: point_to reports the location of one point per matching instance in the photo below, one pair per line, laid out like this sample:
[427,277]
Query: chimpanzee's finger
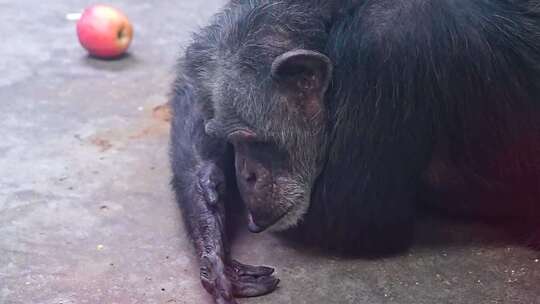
[247,286]
[243,269]
[214,279]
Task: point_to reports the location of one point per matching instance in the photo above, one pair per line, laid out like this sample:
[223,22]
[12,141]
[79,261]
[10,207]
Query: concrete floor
[86,213]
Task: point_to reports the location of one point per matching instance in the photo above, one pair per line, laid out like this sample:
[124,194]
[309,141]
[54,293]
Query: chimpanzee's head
[268,86]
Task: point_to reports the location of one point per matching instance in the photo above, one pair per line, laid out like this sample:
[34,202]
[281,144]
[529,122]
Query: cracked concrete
[87,215]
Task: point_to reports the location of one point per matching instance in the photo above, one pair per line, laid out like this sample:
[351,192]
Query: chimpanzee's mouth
[257,228]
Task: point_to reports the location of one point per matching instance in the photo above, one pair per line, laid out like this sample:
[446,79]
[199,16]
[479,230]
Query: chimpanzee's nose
[251,178]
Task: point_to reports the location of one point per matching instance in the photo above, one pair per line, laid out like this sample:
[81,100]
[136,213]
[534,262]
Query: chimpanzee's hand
[221,276]
[235,279]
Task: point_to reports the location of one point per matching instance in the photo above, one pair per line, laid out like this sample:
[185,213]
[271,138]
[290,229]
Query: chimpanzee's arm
[198,164]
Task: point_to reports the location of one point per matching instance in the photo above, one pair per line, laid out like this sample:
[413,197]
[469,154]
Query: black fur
[415,84]
[410,75]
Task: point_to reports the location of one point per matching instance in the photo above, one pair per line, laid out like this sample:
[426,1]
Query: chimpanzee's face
[277,128]
[275,190]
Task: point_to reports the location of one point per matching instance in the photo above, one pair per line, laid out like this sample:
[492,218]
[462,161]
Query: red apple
[104,31]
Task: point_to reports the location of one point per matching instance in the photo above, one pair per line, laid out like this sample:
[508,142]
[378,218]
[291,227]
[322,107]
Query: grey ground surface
[86,213]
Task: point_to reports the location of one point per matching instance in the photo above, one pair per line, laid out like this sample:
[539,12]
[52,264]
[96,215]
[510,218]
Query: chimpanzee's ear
[306,74]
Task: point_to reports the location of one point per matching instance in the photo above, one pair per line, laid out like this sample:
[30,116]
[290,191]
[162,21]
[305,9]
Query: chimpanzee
[335,117]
